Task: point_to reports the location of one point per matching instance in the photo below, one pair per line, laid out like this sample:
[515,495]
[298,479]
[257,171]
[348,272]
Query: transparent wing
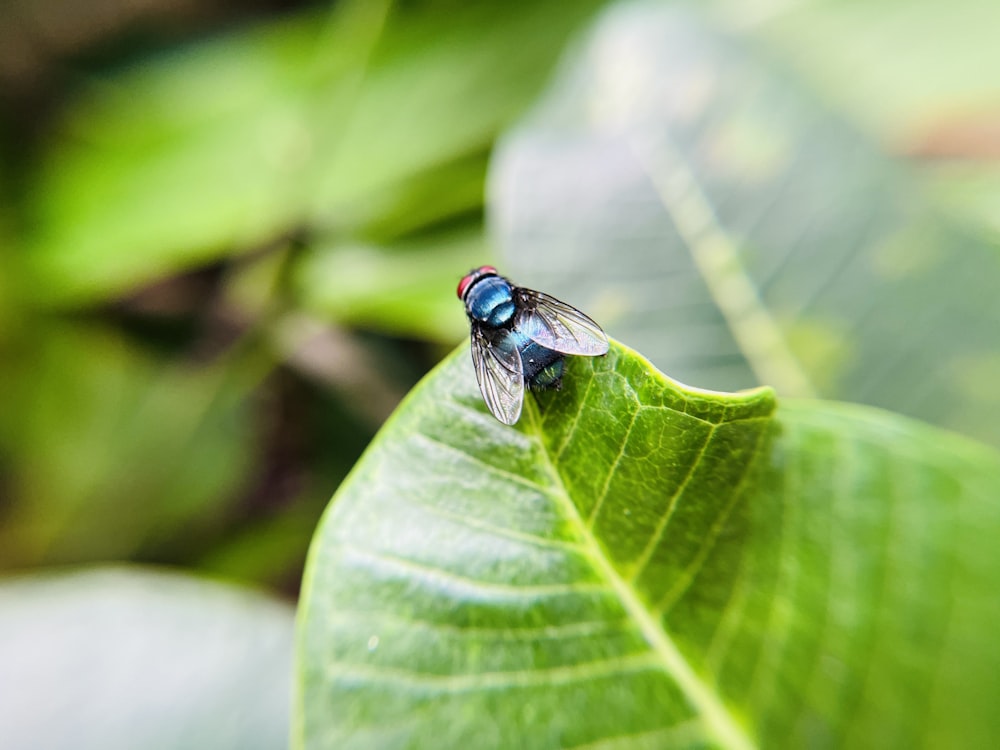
[501,380]
[557,326]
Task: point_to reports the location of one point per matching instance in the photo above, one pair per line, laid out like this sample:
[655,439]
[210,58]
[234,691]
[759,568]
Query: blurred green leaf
[123,658]
[340,123]
[407,288]
[182,160]
[451,192]
[702,207]
[111,449]
[440,86]
[638,564]
[270,551]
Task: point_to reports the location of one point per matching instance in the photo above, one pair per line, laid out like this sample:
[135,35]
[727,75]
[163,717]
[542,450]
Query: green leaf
[697,202]
[639,564]
[406,288]
[123,658]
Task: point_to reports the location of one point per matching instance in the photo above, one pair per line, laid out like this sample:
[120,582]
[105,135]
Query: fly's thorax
[491,301]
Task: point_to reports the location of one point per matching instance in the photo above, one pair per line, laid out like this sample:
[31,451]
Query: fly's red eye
[464,284]
[472,276]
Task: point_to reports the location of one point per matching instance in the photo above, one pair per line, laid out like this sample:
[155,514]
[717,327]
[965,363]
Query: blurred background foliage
[231,237]
[231,233]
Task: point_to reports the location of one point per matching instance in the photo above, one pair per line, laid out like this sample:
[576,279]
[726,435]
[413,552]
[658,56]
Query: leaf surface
[638,564]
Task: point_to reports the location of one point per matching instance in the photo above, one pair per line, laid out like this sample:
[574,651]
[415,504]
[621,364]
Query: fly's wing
[557,326]
[501,380]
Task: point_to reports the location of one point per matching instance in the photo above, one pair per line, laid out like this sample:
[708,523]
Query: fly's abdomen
[542,367]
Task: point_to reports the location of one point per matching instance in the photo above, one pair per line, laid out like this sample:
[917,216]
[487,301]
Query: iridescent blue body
[519,338]
[490,302]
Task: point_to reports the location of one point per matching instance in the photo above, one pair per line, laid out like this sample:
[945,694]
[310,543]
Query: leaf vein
[464,585]
[592,518]
[581,629]
[480,681]
[664,520]
[476,524]
[686,731]
[485,465]
[684,581]
[576,419]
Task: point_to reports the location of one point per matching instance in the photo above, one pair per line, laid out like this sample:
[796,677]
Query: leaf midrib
[716,717]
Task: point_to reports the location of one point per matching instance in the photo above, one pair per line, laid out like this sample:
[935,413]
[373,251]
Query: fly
[519,339]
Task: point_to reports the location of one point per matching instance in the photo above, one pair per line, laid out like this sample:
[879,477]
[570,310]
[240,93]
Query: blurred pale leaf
[969,191]
[920,75]
[340,123]
[708,211]
[898,66]
[642,565]
[127,658]
[111,449]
